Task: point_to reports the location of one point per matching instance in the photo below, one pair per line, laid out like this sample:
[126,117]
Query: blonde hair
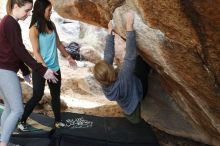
[104,73]
[10,4]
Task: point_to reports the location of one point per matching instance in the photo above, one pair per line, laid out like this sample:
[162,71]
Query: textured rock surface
[96,12]
[180,40]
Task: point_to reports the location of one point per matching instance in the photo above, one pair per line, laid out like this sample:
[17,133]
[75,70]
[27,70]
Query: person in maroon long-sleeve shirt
[14,56]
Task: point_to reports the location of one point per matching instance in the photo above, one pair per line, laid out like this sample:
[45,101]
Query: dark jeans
[135,117]
[38,92]
[142,70]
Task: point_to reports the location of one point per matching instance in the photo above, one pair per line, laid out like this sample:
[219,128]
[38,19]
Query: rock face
[180,39]
[96,12]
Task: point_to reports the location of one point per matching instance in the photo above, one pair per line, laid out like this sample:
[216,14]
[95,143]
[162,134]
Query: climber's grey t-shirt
[127,89]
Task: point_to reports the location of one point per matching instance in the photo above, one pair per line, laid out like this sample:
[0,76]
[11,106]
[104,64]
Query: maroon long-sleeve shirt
[13,53]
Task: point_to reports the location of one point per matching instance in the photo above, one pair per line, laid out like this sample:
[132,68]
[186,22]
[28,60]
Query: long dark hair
[10,4]
[38,16]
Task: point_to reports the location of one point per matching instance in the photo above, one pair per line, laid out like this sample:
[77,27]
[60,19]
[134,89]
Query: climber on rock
[128,85]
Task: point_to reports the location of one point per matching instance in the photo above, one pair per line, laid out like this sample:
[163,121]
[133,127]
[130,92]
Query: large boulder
[180,40]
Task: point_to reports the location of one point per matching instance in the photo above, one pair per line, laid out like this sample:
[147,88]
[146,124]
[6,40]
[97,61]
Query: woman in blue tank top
[45,41]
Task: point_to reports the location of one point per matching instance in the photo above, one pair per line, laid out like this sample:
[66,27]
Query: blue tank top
[48,50]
